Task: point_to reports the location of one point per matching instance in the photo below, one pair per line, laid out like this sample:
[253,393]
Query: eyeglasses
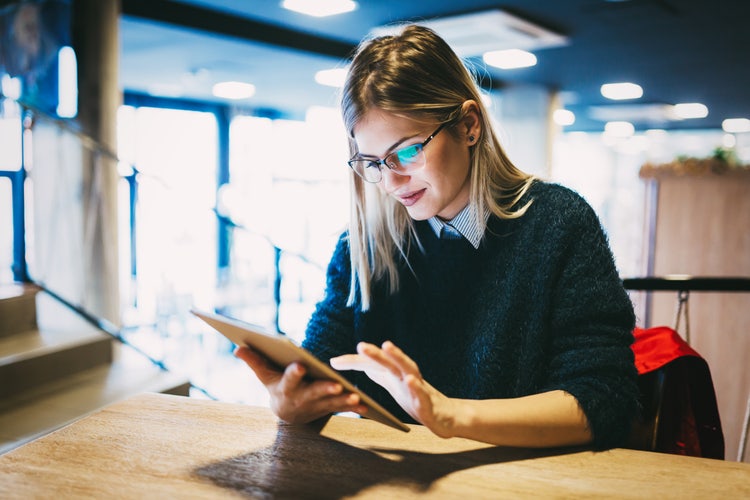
[401,162]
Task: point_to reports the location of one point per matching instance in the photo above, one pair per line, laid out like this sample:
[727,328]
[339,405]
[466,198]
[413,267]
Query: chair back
[679,414]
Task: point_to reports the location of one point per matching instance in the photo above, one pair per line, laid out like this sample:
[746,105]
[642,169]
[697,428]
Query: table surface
[153,446]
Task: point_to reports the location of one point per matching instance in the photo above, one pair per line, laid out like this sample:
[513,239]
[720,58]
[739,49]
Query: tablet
[282,351]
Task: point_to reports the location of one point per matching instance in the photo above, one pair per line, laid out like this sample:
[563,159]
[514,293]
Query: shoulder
[340,260]
[342,245]
[555,215]
[550,195]
[558,205]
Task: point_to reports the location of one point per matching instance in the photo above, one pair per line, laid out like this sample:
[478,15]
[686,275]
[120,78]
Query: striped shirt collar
[465,223]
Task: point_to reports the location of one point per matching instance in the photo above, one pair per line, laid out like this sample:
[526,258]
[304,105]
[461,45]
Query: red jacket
[679,410]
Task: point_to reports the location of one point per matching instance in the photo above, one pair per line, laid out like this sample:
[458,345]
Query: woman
[513,328]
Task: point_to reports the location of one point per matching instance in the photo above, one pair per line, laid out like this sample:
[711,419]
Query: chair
[679,414]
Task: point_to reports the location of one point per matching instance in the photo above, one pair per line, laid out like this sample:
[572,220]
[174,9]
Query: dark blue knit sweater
[538,306]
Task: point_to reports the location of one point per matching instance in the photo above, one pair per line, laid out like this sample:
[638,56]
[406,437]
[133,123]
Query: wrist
[463,418]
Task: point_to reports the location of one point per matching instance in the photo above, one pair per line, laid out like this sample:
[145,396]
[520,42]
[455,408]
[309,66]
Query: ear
[471,123]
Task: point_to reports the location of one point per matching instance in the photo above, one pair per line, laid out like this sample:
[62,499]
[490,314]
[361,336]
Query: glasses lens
[367,169]
[406,159]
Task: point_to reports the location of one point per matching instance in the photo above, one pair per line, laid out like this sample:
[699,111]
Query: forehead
[379,132]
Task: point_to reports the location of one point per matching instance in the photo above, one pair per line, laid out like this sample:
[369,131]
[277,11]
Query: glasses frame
[384,162]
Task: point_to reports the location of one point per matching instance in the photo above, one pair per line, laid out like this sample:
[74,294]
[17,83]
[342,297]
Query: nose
[391,180]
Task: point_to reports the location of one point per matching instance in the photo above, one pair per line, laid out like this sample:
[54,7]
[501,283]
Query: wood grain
[154,446]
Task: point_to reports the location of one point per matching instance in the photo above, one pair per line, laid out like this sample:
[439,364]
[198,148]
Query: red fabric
[657,346]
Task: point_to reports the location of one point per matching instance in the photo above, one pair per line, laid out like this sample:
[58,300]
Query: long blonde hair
[415,74]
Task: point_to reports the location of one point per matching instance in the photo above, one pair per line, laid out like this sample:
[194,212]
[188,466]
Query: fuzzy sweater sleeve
[592,322]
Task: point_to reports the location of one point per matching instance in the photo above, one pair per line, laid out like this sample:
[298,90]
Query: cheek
[453,166]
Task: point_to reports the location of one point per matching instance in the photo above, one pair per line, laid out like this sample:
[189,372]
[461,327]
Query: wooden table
[157,446]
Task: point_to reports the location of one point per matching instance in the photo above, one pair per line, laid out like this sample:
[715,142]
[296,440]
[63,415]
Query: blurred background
[158,155]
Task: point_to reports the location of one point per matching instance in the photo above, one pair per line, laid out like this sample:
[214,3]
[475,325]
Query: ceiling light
[690,110]
[736,125]
[564,117]
[331,77]
[509,59]
[619,129]
[233,90]
[320,8]
[619,91]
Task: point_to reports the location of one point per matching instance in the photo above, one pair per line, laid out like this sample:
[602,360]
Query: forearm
[549,419]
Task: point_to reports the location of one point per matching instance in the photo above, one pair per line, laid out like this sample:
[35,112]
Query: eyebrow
[390,149]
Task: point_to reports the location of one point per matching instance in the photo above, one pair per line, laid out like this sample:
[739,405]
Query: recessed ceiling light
[233,90]
[619,91]
[331,77]
[736,125]
[690,110]
[619,129]
[320,8]
[509,59]
[564,117]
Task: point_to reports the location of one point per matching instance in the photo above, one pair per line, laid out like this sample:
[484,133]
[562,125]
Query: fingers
[347,362]
[345,402]
[405,362]
[295,399]
[390,357]
[265,371]
[290,381]
[309,401]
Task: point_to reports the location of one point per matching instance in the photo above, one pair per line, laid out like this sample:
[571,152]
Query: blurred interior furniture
[698,220]
[678,414]
[166,446]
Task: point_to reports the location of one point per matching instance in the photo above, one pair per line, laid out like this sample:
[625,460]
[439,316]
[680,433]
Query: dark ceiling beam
[224,24]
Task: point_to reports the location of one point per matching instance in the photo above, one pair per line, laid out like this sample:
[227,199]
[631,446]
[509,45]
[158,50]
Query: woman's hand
[295,399]
[400,376]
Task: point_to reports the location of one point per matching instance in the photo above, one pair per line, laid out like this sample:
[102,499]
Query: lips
[409,199]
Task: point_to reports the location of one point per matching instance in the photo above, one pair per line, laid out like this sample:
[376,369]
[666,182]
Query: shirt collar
[465,223]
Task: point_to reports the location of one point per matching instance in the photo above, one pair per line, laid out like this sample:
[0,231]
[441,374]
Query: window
[175,152]
[10,162]
[288,190]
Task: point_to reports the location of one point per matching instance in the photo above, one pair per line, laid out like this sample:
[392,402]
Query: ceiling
[679,51]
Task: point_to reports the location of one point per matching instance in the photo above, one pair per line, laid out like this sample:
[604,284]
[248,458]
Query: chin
[417,214]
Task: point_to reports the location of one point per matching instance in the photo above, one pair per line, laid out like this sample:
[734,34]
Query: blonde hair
[416,74]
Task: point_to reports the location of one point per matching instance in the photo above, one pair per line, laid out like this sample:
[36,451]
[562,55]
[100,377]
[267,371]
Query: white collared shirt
[464,223]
